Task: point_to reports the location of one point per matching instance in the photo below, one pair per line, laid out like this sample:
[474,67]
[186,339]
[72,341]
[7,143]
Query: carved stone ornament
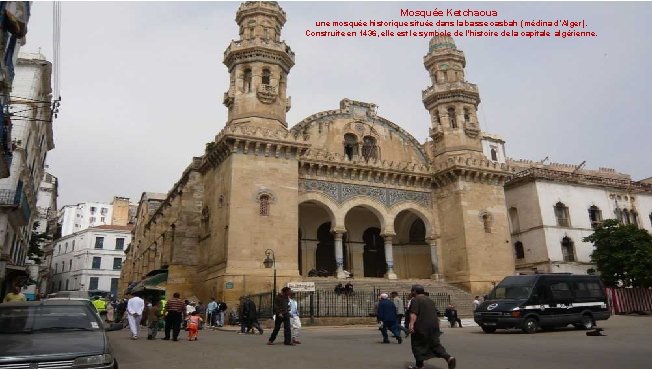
[341,192]
[267,94]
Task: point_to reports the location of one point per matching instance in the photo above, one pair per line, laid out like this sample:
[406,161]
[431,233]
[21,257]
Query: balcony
[5,144]
[16,203]
[267,94]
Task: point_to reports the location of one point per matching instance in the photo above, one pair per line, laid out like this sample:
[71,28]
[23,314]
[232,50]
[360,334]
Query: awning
[156,282]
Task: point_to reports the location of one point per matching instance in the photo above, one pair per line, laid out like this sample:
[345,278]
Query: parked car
[530,302]
[61,333]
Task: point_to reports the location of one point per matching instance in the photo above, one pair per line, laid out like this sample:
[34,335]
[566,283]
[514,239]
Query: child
[153,317]
[193,325]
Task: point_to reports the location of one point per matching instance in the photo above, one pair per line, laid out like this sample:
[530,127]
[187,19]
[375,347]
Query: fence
[629,300]
[359,303]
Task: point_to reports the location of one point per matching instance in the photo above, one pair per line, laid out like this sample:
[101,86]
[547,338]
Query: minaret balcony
[267,94]
[239,45]
[449,87]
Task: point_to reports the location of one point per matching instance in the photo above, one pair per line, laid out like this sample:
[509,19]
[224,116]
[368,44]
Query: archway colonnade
[366,239]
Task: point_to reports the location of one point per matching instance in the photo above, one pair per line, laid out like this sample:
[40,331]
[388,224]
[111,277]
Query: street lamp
[270,262]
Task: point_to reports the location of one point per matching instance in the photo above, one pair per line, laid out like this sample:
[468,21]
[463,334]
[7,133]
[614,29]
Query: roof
[113,227]
[155,195]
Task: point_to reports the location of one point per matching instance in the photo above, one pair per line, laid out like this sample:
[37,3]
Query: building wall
[72,259]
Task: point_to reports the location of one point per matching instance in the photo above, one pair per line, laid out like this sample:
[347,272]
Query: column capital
[432,241]
[388,236]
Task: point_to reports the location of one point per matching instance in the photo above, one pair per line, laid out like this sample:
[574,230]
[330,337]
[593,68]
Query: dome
[442,42]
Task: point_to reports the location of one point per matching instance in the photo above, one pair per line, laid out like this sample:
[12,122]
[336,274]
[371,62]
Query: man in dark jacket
[282,312]
[248,316]
[451,315]
[386,317]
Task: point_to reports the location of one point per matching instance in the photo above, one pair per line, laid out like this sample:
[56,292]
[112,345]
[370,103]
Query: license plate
[489,323]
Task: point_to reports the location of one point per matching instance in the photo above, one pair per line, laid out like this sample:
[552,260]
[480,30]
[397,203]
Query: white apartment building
[553,207]
[75,218]
[90,259]
[32,138]
[46,205]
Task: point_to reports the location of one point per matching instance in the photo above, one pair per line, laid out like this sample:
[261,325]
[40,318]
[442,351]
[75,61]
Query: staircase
[462,300]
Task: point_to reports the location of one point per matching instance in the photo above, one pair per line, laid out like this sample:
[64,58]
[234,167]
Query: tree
[622,254]
[36,243]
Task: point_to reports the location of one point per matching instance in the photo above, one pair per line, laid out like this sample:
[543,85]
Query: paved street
[626,346]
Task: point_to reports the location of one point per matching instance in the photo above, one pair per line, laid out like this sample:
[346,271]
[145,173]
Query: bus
[545,301]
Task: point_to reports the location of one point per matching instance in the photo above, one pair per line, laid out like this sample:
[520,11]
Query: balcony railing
[8,197]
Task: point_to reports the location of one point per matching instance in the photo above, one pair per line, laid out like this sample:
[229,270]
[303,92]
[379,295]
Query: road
[628,345]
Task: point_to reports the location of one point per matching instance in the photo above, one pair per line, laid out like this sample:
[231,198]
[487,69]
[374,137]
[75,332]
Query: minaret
[259,63]
[473,248]
[451,100]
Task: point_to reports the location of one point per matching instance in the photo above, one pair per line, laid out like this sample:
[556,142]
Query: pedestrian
[348,289]
[135,307]
[194,322]
[476,303]
[400,312]
[15,295]
[211,310]
[295,320]
[190,307]
[110,312]
[424,328]
[154,314]
[282,316]
[451,315]
[175,308]
[386,317]
[221,311]
[248,316]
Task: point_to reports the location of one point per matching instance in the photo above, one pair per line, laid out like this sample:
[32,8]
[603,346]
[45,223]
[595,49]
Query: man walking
[386,316]
[424,328]
[135,307]
[400,312]
[282,312]
[175,308]
[295,320]
[211,309]
[221,310]
[249,316]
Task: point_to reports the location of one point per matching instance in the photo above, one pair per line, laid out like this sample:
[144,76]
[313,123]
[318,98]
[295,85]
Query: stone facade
[342,190]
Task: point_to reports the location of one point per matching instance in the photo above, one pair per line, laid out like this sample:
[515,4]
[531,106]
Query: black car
[530,302]
[53,334]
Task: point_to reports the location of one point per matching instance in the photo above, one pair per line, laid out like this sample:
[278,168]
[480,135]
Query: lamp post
[270,262]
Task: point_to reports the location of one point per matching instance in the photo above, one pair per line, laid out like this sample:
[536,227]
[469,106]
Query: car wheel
[530,325]
[115,364]
[486,329]
[587,322]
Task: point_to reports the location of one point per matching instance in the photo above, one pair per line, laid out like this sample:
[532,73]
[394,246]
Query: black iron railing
[321,303]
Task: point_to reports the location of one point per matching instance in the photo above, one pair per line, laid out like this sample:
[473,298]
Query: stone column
[339,254]
[434,258]
[389,258]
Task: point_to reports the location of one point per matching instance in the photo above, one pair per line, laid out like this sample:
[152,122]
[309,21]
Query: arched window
[487,222]
[369,148]
[494,154]
[561,213]
[626,219]
[518,249]
[350,146]
[513,218]
[418,231]
[451,117]
[266,77]
[435,117]
[247,80]
[467,116]
[264,205]
[619,215]
[595,215]
[568,249]
[634,217]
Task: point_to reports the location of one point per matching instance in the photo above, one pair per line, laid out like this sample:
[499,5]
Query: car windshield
[46,318]
[513,288]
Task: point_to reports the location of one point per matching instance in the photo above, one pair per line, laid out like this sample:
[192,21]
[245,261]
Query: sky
[142,84]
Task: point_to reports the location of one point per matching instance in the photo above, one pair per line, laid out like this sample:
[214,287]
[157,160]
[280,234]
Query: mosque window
[451,117]
[264,205]
[561,213]
[418,231]
[247,80]
[513,218]
[568,249]
[350,146]
[266,77]
[634,217]
[467,115]
[494,154]
[369,148]
[518,249]
[595,215]
[487,222]
[435,117]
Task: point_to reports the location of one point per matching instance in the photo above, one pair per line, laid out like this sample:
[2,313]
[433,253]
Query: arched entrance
[325,253]
[412,257]
[374,253]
